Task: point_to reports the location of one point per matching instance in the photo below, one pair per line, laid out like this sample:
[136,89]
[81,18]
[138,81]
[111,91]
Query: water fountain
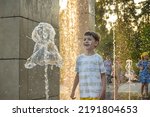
[45,51]
[68,30]
[110,24]
[128,70]
[130,88]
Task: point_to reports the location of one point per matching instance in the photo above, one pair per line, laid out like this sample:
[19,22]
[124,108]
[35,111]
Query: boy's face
[89,42]
[146,57]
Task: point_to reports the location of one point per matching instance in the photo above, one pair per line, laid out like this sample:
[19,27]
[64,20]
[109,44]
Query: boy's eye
[89,39]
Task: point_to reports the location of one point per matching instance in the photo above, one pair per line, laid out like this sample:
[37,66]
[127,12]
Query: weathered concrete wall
[17,20]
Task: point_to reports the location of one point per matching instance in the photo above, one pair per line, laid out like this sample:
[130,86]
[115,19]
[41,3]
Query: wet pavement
[125,89]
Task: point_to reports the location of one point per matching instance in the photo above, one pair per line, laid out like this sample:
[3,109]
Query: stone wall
[17,20]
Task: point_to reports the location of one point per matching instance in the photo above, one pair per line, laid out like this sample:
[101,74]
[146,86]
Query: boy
[90,71]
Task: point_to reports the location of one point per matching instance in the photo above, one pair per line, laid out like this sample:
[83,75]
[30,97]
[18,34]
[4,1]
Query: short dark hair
[93,34]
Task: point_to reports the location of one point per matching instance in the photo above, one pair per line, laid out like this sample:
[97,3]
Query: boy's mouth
[86,44]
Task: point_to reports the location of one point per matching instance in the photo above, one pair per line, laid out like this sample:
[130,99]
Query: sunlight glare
[138,1]
[63,4]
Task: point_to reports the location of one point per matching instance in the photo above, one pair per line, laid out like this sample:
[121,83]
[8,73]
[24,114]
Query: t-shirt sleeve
[102,67]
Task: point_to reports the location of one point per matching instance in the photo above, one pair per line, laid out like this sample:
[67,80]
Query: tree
[132,28]
[106,45]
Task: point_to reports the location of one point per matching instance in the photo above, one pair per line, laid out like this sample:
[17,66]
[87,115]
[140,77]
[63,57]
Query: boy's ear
[96,43]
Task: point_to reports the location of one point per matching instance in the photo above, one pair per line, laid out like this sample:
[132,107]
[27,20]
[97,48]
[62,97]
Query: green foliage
[106,44]
[132,30]
[145,38]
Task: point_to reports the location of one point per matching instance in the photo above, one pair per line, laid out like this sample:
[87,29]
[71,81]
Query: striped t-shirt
[90,69]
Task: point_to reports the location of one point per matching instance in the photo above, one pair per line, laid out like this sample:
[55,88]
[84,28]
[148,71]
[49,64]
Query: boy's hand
[72,96]
[141,68]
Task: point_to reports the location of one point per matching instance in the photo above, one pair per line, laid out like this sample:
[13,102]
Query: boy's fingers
[73,98]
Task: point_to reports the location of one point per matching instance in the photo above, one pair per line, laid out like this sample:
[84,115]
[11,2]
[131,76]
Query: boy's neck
[89,52]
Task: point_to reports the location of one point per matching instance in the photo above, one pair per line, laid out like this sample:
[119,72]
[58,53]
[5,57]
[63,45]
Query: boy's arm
[76,81]
[103,90]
